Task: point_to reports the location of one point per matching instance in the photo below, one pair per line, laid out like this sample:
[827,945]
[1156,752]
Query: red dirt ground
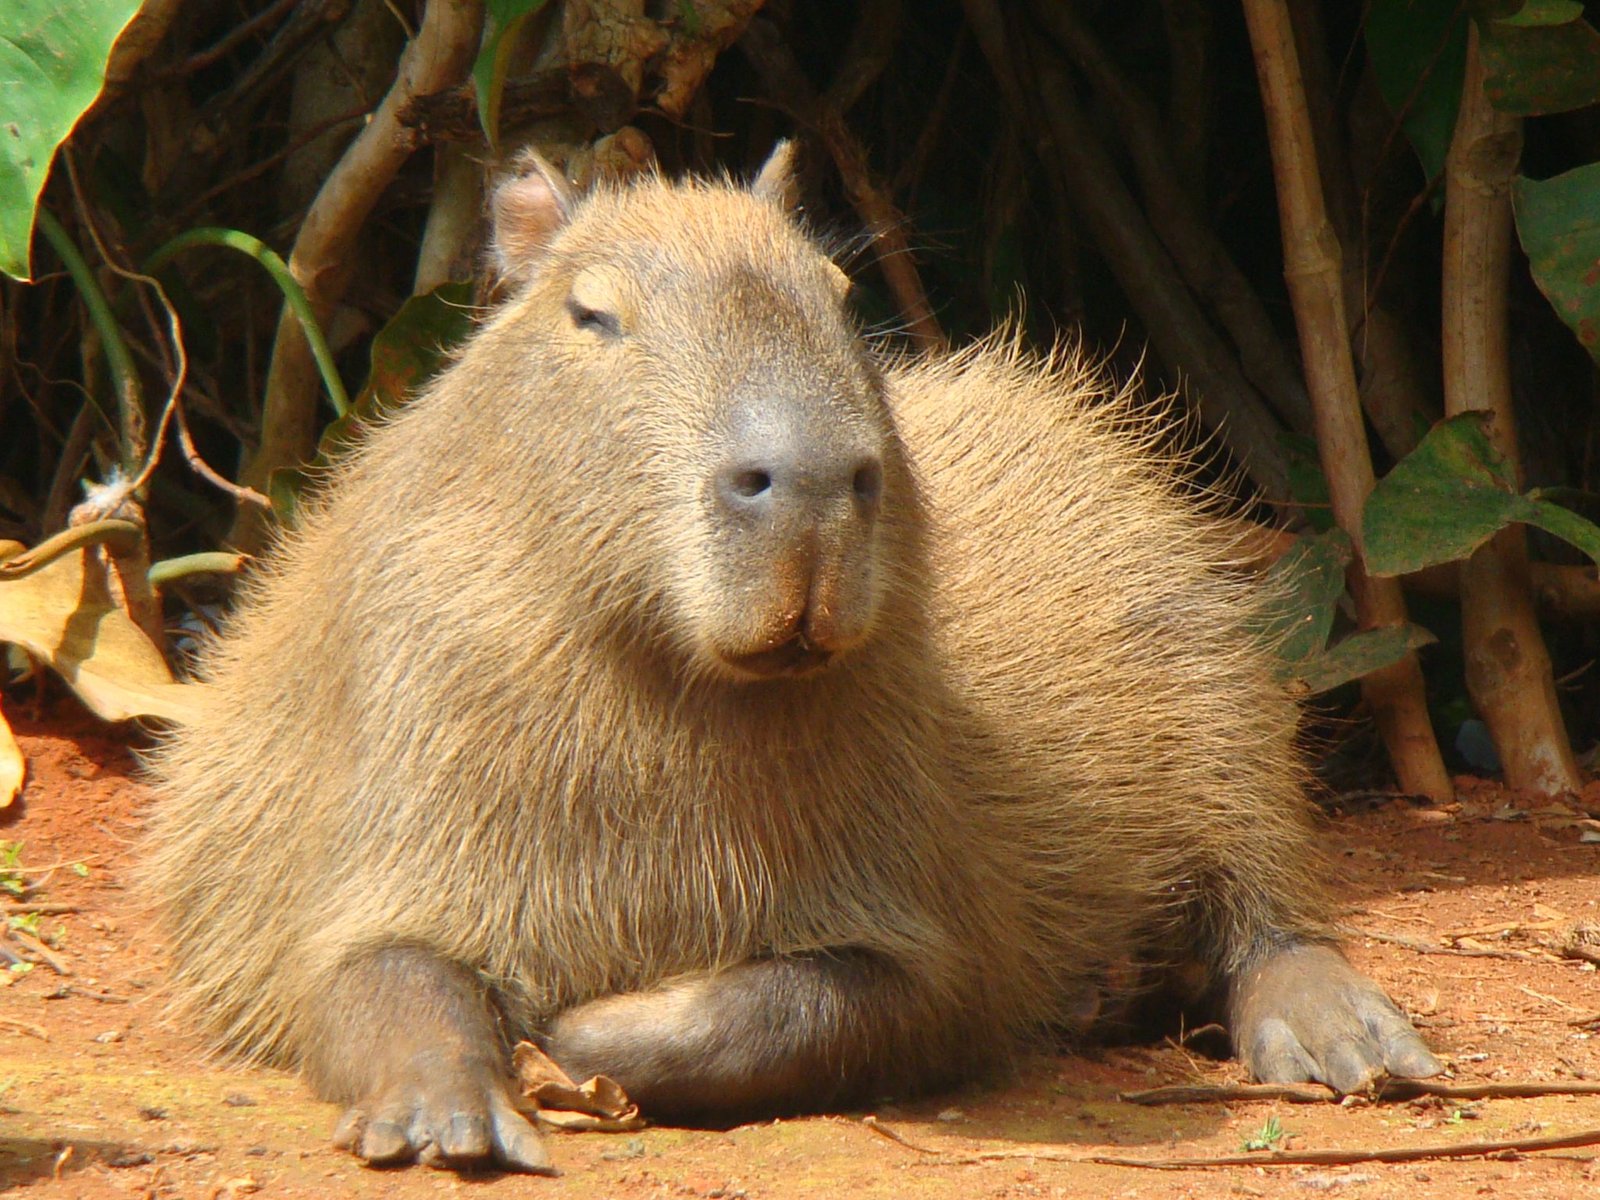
[99,1098]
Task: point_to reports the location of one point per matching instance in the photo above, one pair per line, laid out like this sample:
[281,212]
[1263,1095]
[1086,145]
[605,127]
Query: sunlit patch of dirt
[1460,914]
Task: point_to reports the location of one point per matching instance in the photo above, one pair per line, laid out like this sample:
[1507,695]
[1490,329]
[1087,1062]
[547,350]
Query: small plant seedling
[1267,1137]
[25,923]
[11,881]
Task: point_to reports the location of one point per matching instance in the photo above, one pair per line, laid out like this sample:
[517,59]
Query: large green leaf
[1307,583]
[1418,50]
[1558,221]
[1537,62]
[52,64]
[407,352]
[1359,654]
[503,21]
[1448,497]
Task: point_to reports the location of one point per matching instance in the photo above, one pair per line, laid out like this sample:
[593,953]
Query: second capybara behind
[761,721]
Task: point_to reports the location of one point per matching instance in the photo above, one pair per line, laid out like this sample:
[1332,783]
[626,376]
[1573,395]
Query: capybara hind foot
[444,1114]
[1304,1013]
[774,1035]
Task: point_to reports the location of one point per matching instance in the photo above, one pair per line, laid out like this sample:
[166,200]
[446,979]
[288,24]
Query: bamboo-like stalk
[324,251]
[1313,266]
[1508,668]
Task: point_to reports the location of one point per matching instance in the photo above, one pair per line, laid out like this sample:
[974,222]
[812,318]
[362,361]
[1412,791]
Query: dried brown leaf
[597,1105]
[13,768]
[64,614]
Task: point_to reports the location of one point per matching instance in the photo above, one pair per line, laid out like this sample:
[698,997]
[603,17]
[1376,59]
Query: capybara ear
[776,180]
[531,204]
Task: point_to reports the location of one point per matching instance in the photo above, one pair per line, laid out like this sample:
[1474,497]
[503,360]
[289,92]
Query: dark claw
[517,1144]
[467,1137]
[1275,1056]
[384,1144]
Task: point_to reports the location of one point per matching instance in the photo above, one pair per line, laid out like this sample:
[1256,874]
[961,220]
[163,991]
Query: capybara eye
[596,319]
[751,484]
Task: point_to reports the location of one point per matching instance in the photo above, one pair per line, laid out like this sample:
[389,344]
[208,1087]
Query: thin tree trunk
[1313,269]
[1508,668]
[1391,381]
[1039,89]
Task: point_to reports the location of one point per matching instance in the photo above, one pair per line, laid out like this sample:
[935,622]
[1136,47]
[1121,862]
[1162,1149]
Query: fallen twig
[1273,1158]
[26,1027]
[1422,947]
[22,907]
[1316,1093]
[42,952]
[883,1131]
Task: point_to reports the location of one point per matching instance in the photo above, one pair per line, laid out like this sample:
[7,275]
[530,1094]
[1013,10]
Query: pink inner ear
[527,214]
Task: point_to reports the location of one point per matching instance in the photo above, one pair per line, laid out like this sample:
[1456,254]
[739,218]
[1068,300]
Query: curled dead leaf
[13,770]
[596,1106]
[65,614]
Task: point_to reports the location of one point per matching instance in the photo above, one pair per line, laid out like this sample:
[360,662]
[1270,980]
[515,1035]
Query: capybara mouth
[797,656]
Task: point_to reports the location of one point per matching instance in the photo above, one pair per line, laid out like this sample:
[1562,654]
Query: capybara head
[705,339]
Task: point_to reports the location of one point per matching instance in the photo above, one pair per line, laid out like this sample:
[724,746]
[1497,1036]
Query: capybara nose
[786,483]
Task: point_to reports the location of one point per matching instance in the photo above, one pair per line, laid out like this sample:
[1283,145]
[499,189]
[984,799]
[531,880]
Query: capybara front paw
[1304,1013]
[460,1122]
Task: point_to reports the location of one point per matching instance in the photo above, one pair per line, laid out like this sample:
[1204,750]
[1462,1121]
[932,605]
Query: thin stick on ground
[1316,1093]
[27,1027]
[1313,268]
[1512,1148]
[1422,947]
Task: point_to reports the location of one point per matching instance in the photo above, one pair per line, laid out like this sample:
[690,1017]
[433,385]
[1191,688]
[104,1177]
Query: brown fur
[480,705]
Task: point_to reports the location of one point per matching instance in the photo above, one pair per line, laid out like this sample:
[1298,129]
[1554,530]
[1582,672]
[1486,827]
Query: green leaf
[1308,486]
[1448,497]
[1539,67]
[284,488]
[1418,50]
[503,20]
[1306,584]
[407,352]
[1544,12]
[1564,524]
[1359,654]
[1439,503]
[1558,221]
[52,64]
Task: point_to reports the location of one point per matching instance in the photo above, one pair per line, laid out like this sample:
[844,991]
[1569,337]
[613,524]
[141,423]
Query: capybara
[766,722]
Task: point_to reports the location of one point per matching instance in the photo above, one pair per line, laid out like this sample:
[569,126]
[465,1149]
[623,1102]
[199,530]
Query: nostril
[750,484]
[868,482]
[744,489]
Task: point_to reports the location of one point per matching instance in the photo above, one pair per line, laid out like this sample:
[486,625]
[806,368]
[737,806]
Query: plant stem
[125,376]
[1508,668]
[1313,268]
[294,295]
